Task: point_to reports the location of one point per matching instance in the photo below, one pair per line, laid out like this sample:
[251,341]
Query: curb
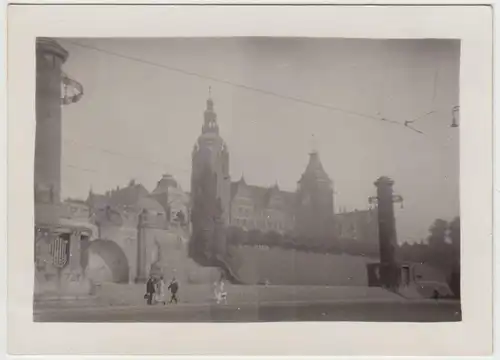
[187,306]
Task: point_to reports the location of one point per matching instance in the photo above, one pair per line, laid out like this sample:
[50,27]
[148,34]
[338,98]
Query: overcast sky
[137,120]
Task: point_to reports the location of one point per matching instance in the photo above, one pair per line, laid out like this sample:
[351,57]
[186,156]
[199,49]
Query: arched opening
[107,262]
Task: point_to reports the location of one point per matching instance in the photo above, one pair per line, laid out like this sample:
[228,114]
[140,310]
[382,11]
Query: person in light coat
[160,291]
[219,292]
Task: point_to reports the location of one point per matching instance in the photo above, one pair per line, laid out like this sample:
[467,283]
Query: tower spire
[210,123]
[210,102]
[314,144]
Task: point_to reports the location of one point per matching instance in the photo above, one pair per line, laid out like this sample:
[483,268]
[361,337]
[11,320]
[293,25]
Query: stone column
[75,254]
[389,270]
[49,59]
[386,220]
[142,274]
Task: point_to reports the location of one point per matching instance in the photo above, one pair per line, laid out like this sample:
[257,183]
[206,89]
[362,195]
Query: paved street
[399,311]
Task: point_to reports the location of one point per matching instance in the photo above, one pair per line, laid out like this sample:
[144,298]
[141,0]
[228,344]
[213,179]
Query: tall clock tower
[210,184]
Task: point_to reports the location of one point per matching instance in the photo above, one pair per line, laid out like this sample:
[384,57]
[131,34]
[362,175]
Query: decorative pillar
[50,82]
[386,219]
[455,116]
[75,254]
[385,199]
[57,256]
[49,58]
[141,248]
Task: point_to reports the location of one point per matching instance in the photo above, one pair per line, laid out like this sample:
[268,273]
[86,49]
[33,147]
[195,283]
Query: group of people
[155,290]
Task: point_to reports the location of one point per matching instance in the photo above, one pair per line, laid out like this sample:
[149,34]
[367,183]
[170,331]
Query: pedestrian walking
[222,292]
[150,290]
[219,292]
[174,288]
[160,291]
[216,291]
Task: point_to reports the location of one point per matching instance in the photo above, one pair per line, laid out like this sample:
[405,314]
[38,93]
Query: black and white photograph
[247,179]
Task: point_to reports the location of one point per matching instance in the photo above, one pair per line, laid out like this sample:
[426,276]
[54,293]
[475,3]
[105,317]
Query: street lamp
[72,90]
[455,113]
[373,200]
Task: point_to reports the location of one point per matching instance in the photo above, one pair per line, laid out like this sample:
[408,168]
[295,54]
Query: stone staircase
[175,261]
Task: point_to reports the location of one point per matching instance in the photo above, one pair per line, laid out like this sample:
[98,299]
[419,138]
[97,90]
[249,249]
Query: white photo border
[471,24]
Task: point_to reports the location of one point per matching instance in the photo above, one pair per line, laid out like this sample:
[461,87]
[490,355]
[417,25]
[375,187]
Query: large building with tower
[307,212]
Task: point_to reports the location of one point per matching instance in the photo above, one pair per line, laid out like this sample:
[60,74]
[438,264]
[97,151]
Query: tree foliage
[438,232]
[437,251]
[238,237]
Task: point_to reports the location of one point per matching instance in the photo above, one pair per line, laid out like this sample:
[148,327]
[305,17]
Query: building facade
[266,209]
[307,212]
[358,225]
[137,232]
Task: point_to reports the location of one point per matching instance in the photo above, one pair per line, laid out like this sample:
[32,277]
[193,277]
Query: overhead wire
[234,84]
[433,104]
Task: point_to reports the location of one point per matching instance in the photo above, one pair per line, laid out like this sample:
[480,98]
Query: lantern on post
[72,90]
[455,116]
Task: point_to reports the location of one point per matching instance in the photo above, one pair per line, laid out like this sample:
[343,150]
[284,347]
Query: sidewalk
[111,294]
[115,296]
[235,306]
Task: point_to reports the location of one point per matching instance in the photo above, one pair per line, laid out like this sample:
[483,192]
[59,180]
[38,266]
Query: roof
[261,196]
[129,195]
[75,201]
[150,204]
[97,201]
[166,182]
[51,46]
[315,169]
